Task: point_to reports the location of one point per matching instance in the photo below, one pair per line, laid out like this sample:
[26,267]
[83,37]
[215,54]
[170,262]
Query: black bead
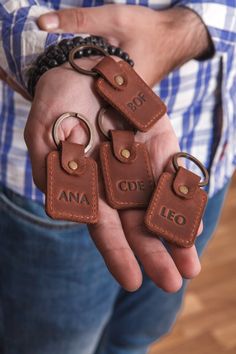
[40,59]
[125,56]
[119,52]
[79,54]
[87,40]
[101,42]
[87,52]
[63,42]
[51,53]
[61,58]
[42,69]
[59,50]
[94,40]
[46,61]
[77,41]
[52,63]
[66,45]
[130,62]
[53,50]
[111,49]
[65,50]
[95,51]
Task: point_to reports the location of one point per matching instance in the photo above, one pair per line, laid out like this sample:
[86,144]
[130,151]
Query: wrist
[198,42]
[185,37]
[58,54]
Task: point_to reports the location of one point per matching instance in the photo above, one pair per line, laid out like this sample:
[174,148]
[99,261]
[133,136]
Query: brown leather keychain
[120,86]
[178,203]
[72,179]
[126,168]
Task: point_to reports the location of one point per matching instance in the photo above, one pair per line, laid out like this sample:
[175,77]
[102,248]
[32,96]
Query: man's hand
[157,41]
[119,236]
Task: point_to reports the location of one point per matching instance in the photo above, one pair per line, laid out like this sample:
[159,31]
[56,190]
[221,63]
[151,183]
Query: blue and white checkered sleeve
[21,41]
[219,17]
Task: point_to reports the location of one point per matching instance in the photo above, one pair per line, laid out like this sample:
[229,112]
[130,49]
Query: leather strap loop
[123,142]
[186,183]
[73,155]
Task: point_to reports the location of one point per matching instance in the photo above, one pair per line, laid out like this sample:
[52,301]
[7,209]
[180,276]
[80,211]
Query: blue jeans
[57,296]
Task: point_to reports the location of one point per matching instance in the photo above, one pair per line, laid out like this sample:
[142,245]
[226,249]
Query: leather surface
[71,196]
[109,69]
[73,152]
[123,139]
[174,217]
[128,184]
[135,100]
[186,178]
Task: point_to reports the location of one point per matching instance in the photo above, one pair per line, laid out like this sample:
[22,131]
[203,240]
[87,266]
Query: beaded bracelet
[58,54]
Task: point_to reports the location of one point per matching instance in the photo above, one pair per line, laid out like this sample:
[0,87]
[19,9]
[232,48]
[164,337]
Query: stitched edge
[108,180]
[93,217]
[107,95]
[166,232]
[143,127]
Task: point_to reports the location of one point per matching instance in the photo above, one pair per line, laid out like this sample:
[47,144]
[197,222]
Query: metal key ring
[100,119]
[194,160]
[77,49]
[79,116]
[101,113]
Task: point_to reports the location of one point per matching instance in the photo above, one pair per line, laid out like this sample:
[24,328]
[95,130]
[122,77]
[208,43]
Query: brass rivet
[183,189]
[125,153]
[119,80]
[73,165]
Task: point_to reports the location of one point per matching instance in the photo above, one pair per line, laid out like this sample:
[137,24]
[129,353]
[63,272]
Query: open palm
[121,237]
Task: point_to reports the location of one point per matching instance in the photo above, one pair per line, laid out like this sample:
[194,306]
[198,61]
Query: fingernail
[49,22]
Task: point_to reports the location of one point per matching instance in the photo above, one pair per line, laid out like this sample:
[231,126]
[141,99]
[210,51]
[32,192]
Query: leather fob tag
[125,90]
[129,181]
[72,194]
[177,207]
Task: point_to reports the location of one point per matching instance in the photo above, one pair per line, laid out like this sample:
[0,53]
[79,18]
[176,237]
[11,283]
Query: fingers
[186,260]
[101,20]
[110,240]
[166,269]
[157,262]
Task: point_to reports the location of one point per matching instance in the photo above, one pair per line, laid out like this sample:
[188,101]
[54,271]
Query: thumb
[98,21]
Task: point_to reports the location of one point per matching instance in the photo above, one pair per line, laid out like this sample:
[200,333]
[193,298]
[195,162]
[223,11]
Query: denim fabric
[57,296]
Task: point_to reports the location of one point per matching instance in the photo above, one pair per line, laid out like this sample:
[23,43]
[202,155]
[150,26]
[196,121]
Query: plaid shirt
[200,96]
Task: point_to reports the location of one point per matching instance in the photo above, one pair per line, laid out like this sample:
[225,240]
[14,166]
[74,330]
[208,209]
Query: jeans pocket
[31,212]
